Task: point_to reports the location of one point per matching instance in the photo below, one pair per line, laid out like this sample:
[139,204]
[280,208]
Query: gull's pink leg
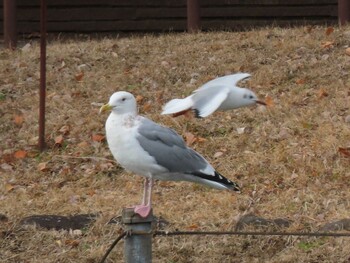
[145,187]
[144,209]
[145,192]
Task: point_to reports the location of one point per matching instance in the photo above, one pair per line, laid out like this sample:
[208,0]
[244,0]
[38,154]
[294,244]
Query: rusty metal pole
[42,92]
[343,12]
[193,16]
[10,23]
[137,245]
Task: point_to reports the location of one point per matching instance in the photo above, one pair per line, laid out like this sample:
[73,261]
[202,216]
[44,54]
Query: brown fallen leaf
[63,65]
[218,154]
[165,64]
[18,119]
[193,226]
[9,187]
[59,140]
[106,166]
[50,95]
[327,44]
[23,65]
[347,51]
[72,242]
[190,138]
[201,139]
[147,107]
[139,98]
[6,167]
[98,137]
[329,30]
[159,96]
[20,154]
[64,171]
[127,71]
[269,101]
[42,167]
[164,184]
[322,93]
[65,129]
[83,144]
[345,151]
[79,76]
[91,192]
[300,81]
[8,158]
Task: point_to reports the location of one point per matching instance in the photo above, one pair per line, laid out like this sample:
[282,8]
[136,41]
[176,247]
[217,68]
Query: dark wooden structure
[169,15]
[344,11]
[10,23]
[193,16]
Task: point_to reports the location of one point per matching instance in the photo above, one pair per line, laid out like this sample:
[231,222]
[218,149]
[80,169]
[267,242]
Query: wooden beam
[10,23]
[343,12]
[193,16]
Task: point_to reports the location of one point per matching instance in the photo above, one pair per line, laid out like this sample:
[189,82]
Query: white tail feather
[178,105]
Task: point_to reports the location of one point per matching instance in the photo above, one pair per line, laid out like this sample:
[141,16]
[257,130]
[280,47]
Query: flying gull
[218,94]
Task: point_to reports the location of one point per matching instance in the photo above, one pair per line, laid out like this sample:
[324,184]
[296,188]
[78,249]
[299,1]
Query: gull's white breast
[121,137]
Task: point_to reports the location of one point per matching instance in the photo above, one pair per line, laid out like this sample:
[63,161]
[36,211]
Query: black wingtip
[228,183]
[235,187]
[197,113]
[219,178]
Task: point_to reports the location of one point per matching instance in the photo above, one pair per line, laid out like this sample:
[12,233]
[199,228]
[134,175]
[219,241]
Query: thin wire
[112,246]
[220,233]
[244,233]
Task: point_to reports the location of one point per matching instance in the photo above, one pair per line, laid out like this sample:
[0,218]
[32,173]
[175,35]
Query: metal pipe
[137,247]
[343,12]
[10,23]
[43,17]
[193,16]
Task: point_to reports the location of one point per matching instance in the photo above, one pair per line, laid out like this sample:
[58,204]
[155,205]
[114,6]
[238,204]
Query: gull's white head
[121,102]
[238,97]
[247,97]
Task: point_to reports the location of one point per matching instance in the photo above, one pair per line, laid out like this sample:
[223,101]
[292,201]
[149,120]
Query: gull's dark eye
[123,99]
[251,97]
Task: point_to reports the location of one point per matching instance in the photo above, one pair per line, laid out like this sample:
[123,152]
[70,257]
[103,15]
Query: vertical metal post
[137,247]
[43,17]
[343,12]
[10,23]
[193,16]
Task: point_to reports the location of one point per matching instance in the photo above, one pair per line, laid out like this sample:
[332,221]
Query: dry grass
[287,161]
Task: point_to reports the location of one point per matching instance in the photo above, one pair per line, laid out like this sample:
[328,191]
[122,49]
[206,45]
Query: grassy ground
[287,160]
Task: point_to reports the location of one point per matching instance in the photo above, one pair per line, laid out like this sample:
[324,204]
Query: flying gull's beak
[105,107]
[261,102]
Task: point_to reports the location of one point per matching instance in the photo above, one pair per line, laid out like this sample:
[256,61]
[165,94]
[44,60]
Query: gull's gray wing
[228,81]
[206,101]
[169,149]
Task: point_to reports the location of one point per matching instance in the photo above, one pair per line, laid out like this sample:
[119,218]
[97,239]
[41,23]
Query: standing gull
[145,148]
[218,94]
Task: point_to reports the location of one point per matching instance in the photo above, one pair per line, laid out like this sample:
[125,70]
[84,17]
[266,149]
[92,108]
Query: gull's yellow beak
[105,107]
